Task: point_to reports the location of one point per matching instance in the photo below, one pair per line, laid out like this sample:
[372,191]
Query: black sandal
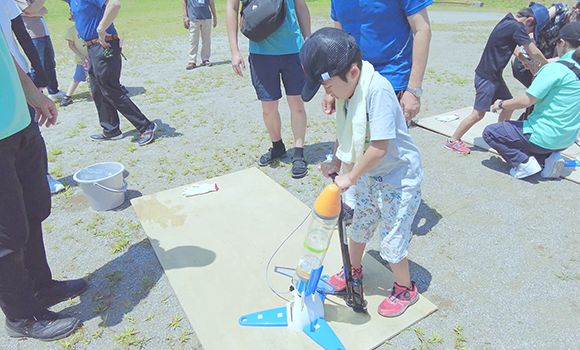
[299,167]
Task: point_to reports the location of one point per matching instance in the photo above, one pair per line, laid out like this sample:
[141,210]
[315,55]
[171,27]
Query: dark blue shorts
[487,91]
[266,72]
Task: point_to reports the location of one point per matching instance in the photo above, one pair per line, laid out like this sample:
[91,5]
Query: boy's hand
[344,182]
[186,22]
[328,168]
[328,104]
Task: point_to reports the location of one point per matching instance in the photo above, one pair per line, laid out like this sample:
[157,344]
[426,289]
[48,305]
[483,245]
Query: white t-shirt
[401,166]
[9,11]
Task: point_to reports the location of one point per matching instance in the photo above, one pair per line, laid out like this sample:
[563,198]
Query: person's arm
[21,34]
[522,101]
[111,11]
[328,102]
[369,160]
[213,14]
[35,8]
[535,53]
[303,17]
[46,111]
[185,15]
[421,28]
[232,10]
[74,49]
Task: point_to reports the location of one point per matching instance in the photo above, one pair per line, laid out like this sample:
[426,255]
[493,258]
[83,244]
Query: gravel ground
[502,271]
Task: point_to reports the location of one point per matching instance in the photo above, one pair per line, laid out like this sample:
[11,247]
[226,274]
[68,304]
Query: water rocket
[305,312]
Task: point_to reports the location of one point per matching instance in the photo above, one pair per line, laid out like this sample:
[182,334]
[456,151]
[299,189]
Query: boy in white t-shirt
[378,154]
[79,47]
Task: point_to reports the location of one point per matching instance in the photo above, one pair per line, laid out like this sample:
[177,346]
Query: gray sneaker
[553,166]
[148,135]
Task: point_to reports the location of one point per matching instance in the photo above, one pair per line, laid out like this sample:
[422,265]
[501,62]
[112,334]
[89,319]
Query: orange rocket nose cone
[327,204]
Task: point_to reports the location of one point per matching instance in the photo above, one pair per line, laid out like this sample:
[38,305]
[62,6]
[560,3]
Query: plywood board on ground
[473,136]
[214,249]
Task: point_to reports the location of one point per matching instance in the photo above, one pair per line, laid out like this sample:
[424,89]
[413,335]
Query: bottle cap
[327,205]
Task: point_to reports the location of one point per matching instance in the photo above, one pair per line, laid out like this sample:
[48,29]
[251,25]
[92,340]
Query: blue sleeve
[98,3]
[333,12]
[411,7]
[520,36]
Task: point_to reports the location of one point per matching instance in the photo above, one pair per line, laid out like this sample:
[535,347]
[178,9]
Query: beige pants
[195,28]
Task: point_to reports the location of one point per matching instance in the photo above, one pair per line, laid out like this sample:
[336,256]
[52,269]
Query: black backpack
[260,18]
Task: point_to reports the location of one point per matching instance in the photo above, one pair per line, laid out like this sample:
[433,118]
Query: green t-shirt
[285,40]
[555,121]
[14,115]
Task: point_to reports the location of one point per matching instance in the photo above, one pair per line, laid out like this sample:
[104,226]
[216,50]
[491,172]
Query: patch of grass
[175,322]
[460,340]
[113,277]
[149,317]
[128,338]
[78,337]
[120,245]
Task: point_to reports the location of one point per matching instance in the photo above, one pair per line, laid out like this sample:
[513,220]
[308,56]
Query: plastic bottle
[320,229]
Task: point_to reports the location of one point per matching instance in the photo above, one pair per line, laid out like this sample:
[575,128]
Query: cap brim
[310,89]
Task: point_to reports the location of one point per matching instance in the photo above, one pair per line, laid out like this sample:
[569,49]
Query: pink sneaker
[457,146]
[401,298]
[338,281]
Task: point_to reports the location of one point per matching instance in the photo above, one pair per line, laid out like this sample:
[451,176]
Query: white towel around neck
[352,127]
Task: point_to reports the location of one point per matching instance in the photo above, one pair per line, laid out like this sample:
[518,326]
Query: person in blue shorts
[509,33]
[271,59]
[555,121]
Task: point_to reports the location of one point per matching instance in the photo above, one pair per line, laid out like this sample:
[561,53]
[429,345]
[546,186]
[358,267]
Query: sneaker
[48,326]
[457,146]
[148,135]
[103,137]
[271,156]
[401,298]
[348,214]
[339,282]
[526,169]
[60,291]
[206,63]
[55,186]
[299,167]
[58,96]
[67,100]
[191,66]
[553,166]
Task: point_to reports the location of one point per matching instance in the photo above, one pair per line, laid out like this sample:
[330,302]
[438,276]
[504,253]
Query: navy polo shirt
[88,14]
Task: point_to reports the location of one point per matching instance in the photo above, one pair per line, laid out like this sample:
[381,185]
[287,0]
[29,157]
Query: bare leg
[505,115]
[356,251]
[298,119]
[72,87]
[272,120]
[466,124]
[401,272]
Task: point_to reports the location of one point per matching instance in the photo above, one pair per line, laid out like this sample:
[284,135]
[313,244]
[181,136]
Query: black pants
[105,74]
[24,204]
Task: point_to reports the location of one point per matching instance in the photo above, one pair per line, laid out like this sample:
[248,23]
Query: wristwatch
[417,92]
[500,104]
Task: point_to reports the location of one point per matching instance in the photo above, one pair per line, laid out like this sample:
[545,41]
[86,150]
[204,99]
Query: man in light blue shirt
[26,286]
[555,121]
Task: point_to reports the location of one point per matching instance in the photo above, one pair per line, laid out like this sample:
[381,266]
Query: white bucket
[103,185]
